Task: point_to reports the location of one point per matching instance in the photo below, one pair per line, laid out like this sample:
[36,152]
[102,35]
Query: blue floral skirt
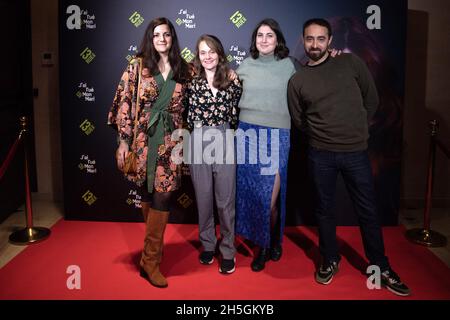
[261,153]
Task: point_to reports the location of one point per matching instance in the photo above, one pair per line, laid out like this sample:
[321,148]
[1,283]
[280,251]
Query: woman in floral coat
[161,90]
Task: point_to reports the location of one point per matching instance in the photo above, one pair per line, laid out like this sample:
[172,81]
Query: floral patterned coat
[122,115]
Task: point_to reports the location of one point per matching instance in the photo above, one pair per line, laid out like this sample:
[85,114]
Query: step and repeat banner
[98,38]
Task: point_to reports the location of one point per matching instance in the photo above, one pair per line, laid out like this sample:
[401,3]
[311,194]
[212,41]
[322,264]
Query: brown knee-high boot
[153,243]
[145,210]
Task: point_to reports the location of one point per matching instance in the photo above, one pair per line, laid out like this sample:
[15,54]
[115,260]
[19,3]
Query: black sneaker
[391,281]
[276,252]
[206,257]
[259,263]
[227,266]
[326,272]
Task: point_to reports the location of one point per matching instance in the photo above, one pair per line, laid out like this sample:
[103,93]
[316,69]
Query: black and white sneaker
[326,272]
[227,266]
[391,281]
[206,257]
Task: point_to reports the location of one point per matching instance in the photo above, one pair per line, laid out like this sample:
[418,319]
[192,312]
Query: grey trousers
[215,181]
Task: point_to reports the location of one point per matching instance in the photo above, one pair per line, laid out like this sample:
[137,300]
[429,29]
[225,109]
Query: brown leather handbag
[130,161]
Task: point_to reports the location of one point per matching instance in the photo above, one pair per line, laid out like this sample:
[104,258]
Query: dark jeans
[324,167]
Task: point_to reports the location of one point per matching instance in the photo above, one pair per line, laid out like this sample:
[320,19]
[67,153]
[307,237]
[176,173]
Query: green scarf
[159,123]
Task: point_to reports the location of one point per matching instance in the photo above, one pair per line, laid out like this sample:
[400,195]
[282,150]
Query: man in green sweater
[333,100]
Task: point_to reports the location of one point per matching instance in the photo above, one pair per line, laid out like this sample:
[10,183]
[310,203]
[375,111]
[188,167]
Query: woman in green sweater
[263,142]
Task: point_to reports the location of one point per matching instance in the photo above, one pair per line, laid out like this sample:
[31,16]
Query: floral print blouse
[122,114]
[209,109]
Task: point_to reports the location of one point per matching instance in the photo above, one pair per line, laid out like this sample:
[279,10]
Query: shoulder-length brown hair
[281,51]
[151,57]
[221,80]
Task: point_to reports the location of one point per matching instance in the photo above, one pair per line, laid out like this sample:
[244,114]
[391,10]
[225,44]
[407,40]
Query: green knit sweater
[264,96]
[334,102]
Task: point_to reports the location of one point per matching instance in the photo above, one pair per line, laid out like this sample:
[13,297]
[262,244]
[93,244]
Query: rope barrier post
[30,234]
[425,236]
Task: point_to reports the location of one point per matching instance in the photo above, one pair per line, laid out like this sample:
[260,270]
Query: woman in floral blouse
[162,84]
[213,99]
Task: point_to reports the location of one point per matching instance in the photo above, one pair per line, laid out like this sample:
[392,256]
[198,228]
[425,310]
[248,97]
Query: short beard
[316,56]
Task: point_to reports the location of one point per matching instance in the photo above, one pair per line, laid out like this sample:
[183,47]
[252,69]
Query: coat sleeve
[121,114]
[188,96]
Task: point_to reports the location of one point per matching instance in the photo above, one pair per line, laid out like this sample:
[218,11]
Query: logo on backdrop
[136,19]
[185,201]
[187,55]
[185,171]
[79,19]
[238,19]
[85,93]
[87,164]
[87,127]
[89,198]
[134,199]
[236,55]
[132,51]
[87,55]
[186,18]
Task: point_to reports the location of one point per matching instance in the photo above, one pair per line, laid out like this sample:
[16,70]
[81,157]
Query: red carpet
[108,253]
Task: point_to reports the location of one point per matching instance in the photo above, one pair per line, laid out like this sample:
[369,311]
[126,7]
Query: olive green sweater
[264,96]
[334,102]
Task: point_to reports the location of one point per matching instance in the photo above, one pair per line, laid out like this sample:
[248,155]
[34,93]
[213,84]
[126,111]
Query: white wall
[44,33]
[427,97]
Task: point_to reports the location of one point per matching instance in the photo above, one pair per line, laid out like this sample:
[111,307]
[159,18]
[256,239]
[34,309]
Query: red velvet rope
[9,157]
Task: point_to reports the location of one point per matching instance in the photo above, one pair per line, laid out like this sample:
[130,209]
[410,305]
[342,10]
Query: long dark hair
[281,51]
[151,57]
[221,80]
